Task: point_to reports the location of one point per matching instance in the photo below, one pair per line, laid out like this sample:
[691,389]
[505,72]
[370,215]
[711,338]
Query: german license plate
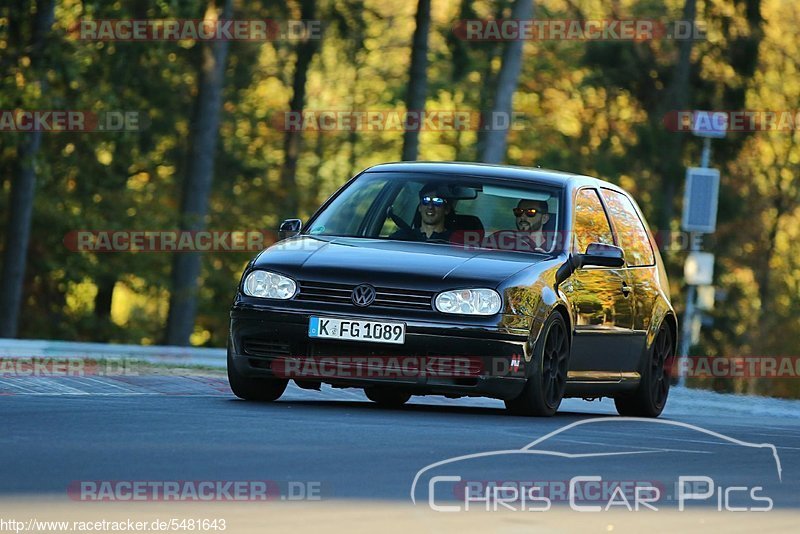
[357,330]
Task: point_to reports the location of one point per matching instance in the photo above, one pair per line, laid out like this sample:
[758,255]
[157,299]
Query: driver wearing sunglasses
[434,207]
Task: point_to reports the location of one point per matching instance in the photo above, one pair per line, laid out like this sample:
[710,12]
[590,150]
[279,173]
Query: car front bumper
[440,358]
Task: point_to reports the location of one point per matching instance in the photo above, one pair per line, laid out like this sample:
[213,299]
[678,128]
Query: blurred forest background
[211,157]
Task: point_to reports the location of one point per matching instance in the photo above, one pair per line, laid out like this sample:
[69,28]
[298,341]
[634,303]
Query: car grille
[384,297]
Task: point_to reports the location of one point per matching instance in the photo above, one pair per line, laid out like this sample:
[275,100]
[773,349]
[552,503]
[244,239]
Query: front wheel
[545,388]
[649,399]
[253,389]
[387,397]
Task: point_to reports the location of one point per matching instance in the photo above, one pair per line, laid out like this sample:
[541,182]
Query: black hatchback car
[458,279]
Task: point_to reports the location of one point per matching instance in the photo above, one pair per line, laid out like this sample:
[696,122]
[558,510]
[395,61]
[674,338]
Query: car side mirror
[600,255]
[289,228]
[596,255]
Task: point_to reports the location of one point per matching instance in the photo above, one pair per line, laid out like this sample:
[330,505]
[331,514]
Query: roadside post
[700,199]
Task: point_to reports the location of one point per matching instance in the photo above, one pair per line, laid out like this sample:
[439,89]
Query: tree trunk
[292,140]
[104,298]
[355,102]
[319,152]
[106,280]
[495,140]
[197,184]
[23,190]
[488,79]
[677,99]
[417,80]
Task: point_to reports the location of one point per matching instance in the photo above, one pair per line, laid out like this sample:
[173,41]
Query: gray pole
[688,318]
[691,291]
[705,157]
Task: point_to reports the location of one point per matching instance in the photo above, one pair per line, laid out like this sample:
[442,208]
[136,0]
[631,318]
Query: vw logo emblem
[363,295]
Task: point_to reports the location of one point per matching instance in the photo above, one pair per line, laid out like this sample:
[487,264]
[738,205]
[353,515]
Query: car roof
[510,172]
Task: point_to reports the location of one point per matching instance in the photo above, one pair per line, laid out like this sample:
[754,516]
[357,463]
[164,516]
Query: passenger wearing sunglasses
[531,217]
[434,207]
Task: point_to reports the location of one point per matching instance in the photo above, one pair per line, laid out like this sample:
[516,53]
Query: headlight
[269,285]
[469,302]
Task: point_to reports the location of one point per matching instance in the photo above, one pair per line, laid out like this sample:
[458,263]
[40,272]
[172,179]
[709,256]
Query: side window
[633,237]
[591,223]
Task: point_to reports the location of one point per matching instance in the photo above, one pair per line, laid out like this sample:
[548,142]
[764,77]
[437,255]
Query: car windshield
[470,211]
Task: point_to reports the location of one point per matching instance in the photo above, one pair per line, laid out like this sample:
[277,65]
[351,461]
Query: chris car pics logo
[450,485]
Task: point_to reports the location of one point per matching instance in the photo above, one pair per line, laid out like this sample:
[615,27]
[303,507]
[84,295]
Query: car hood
[389,263]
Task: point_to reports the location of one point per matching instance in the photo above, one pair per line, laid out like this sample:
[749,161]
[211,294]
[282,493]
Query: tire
[253,389]
[547,382]
[650,397]
[387,397]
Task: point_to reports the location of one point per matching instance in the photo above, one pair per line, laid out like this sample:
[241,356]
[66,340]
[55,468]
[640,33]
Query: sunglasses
[436,201]
[530,212]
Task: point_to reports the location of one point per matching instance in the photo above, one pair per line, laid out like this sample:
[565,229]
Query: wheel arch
[672,323]
[557,306]
[562,309]
[663,314]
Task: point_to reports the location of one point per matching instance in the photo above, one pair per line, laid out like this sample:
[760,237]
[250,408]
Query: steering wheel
[398,220]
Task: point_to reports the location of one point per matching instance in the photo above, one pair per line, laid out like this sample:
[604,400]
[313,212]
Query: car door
[641,265]
[600,298]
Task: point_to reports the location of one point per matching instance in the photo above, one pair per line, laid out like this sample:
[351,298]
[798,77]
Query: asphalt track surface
[159,428]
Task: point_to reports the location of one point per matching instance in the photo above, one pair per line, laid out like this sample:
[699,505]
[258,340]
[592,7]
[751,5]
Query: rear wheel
[254,389]
[649,399]
[545,388]
[388,397]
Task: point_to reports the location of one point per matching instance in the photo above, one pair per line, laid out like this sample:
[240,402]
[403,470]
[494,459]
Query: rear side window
[591,223]
[632,236]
